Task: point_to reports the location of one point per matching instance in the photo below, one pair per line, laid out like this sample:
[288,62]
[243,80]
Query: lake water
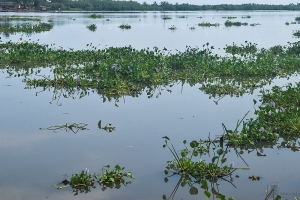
[32,160]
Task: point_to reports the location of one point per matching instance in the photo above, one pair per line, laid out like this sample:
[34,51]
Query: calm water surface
[32,160]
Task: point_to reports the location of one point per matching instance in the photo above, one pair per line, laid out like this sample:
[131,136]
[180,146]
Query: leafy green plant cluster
[27,28]
[248,17]
[193,170]
[92,27]
[248,48]
[83,181]
[229,17]
[166,18]
[208,24]
[19,18]
[296,33]
[185,165]
[230,23]
[95,16]
[126,71]
[125,26]
[172,27]
[279,110]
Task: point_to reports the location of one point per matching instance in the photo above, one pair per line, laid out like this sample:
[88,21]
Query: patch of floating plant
[229,17]
[208,24]
[229,23]
[296,33]
[27,28]
[254,178]
[75,127]
[19,18]
[192,28]
[248,48]
[255,24]
[95,16]
[118,71]
[166,18]
[92,27]
[247,17]
[124,26]
[108,127]
[83,182]
[193,172]
[172,27]
[182,16]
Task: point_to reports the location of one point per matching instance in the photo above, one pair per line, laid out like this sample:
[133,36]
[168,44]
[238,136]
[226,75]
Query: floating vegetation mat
[27,28]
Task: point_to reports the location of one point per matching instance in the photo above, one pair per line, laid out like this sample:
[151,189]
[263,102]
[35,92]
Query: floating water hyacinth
[273,104]
[129,69]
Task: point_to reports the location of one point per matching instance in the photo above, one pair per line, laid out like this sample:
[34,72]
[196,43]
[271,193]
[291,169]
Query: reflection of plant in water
[75,127]
[83,181]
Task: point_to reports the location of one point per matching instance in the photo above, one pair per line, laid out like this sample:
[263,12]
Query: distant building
[8,6]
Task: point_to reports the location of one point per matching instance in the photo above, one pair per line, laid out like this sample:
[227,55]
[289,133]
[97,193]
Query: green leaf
[254,101]
[184,141]
[220,152]
[223,160]
[204,184]
[214,159]
[214,191]
[207,193]
[183,154]
[165,137]
[193,191]
[278,197]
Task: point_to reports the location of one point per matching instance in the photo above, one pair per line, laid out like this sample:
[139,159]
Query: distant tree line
[116,5]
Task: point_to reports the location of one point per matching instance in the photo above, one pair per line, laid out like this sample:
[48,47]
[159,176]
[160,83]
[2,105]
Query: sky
[215,2]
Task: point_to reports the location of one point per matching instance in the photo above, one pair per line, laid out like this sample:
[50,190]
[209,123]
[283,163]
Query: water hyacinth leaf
[207,194]
[204,184]
[214,191]
[193,191]
[165,137]
[214,159]
[223,160]
[220,152]
[166,179]
[194,144]
[184,141]
[278,197]
[183,154]
[166,172]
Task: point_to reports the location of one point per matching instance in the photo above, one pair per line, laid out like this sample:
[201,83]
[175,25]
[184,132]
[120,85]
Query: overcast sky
[214,2]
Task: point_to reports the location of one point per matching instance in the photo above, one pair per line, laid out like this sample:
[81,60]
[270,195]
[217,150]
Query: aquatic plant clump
[185,165]
[27,28]
[125,71]
[84,181]
[95,16]
[296,33]
[92,27]
[19,18]
[125,26]
[208,24]
[230,23]
[279,110]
